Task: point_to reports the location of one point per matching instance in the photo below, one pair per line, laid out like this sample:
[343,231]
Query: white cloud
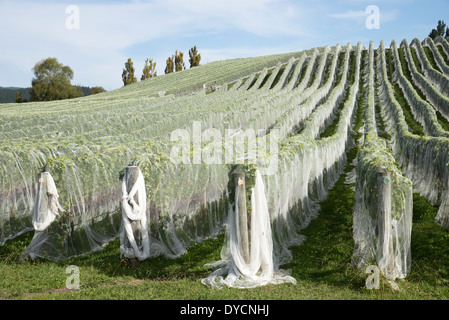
[32,31]
[360,16]
[351,15]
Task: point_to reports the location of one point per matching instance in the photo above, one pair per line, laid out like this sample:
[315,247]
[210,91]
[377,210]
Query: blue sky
[109,32]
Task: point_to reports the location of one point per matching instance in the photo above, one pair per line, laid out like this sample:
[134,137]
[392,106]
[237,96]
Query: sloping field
[181,130]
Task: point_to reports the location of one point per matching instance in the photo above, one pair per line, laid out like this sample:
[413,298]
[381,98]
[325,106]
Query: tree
[441,30]
[149,70]
[433,34]
[195,57]
[19,97]
[95,90]
[52,82]
[170,65]
[447,33]
[179,61]
[128,73]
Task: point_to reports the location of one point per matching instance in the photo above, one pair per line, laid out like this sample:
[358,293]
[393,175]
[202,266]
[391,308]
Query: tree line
[52,79]
[173,63]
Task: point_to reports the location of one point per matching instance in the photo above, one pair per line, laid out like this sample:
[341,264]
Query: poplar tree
[195,57]
[128,73]
[179,61]
[170,65]
[149,70]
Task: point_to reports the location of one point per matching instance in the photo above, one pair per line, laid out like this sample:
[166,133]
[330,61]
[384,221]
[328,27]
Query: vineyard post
[384,218]
[42,193]
[132,173]
[203,209]
[239,179]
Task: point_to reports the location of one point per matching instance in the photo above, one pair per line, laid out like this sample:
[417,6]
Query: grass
[416,60]
[413,125]
[428,52]
[331,129]
[443,54]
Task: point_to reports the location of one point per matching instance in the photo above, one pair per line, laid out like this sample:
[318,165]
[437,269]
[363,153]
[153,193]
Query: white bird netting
[150,165]
[253,265]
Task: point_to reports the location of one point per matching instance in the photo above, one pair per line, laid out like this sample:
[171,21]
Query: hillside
[176,128]
[8,94]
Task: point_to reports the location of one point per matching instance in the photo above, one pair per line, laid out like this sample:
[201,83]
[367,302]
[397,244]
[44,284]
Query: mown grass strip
[268,75]
[416,60]
[332,128]
[443,54]
[303,72]
[413,125]
[431,58]
[278,76]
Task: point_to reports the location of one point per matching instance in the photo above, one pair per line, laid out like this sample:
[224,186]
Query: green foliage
[128,73]
[332,128]
[175,63]
[179,61]
[95,90]
[170,65]
[195,57]
[414,126]
[149,70]
[52,82]
[441,30]
[431,58]
[19,98]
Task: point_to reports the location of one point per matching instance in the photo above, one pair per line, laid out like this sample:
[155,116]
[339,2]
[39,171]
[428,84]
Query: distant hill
[8,94]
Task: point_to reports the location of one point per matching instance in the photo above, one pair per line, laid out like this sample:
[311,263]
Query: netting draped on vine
[46,207]
[422,159]
[253,265]
[383,202]
[153,164]
[134,216]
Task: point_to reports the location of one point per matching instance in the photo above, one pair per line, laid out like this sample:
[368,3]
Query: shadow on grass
[190,265]
[109,263]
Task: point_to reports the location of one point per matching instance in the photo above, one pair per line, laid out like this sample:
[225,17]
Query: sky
[95,38]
